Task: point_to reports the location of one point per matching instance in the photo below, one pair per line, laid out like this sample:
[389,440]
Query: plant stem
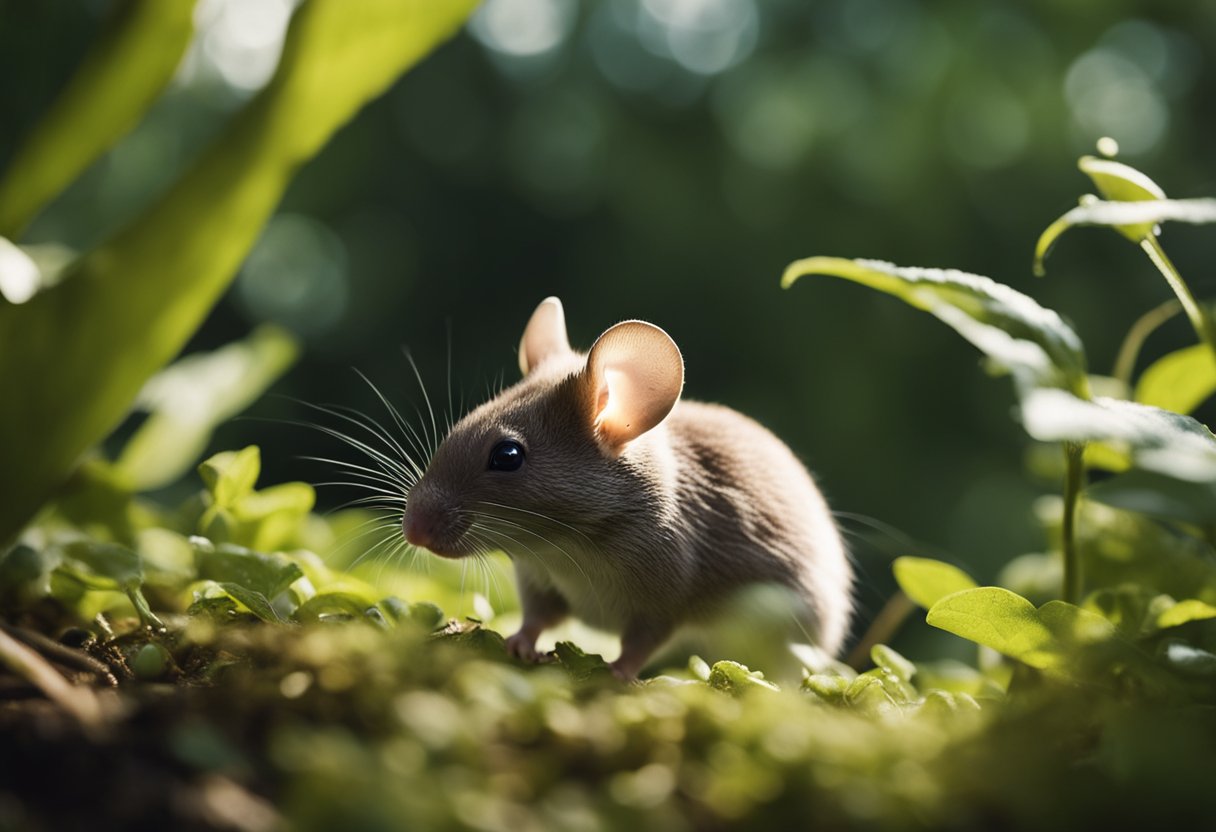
[1073,453]
[1129,351]
[1201,322]
[885,625]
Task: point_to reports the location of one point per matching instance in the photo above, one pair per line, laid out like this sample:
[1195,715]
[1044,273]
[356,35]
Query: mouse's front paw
[522,646]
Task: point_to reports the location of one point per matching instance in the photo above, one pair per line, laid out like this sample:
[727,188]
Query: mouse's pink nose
[420,527]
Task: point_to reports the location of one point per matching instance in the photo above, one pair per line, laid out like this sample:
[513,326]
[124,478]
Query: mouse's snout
[428,523]
[419,526]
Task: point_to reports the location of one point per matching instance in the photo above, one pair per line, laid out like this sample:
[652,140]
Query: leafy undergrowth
[237,662]
[219,686]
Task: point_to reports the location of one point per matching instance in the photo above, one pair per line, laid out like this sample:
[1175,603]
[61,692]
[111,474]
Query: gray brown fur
[642,539]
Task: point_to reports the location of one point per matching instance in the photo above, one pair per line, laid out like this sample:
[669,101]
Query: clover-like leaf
[231,475]
[927,581]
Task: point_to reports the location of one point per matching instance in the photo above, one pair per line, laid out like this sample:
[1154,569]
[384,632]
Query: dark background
[665,160]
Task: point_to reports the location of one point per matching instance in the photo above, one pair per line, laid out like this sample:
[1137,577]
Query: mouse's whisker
[483,548]
[408,433]
[379,526]
[374,486]
[487,519]
[385,437]
[537,514]
[387,465]
[393,452]
[394,414]
[373,452]
[426,397]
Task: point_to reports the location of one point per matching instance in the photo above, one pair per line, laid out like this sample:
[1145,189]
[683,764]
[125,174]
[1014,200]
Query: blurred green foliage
[74,356]
[654,159]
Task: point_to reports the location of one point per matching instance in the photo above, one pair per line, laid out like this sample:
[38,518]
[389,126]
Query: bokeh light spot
[296,276]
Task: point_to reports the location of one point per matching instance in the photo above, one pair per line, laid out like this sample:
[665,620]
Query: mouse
[624,505]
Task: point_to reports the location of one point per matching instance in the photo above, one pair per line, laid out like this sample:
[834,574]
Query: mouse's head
[553,450]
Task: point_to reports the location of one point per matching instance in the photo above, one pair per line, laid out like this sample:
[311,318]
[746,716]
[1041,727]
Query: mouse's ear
[634,376]
[544,336]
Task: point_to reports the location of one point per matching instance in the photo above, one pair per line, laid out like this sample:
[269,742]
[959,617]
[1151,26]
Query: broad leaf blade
[1180,381]
[1000,619]
[1134,220]
[1029,341]
[1158,440]
[231,475]
[1158,495]
[73,357]
[115,84]
[927,581]
[189,399]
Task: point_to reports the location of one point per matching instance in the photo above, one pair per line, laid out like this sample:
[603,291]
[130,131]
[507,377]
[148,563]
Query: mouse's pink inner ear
[635,373]
[545,335]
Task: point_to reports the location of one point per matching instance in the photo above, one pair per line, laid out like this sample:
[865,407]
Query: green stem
[1129,351]
[1202,323]
[1073,453]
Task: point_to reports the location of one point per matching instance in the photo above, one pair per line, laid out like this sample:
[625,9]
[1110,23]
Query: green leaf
[582,667]
[999,619]
[1122,183]
[735,679]
[1021,337]
[103,565]
[1158,440]
[1188,659]
[892,662]
[1158,495]
[1180,381]
[1184,612]
[189,399]
[1134,220]
[330,603]
[231,475]
[117,81]
[74,357]
[256,602]
[828,687]
[265,574]
[112,567]
[927,581]
[1044,638]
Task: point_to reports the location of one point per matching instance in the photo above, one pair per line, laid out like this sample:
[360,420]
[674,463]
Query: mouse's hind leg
[638,643]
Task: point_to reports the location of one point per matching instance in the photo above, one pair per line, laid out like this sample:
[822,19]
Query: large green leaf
[927,581]
[1135,220]
[1008,623]
[1022,337]
[74,357]
[1180,381]
[1158,440]
[116,82]
[1158,495]
[189,399]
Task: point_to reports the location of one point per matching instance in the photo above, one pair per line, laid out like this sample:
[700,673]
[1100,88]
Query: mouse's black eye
[507,455]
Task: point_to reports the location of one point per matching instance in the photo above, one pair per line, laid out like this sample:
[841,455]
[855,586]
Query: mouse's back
[758,515]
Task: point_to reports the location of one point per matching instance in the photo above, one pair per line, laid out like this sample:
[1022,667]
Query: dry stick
[884,625]
[80,702]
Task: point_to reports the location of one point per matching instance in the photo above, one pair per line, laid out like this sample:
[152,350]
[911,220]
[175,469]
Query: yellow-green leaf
[1184,612]
[1180,381]
[74,357]
[114,85]
[927,581]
